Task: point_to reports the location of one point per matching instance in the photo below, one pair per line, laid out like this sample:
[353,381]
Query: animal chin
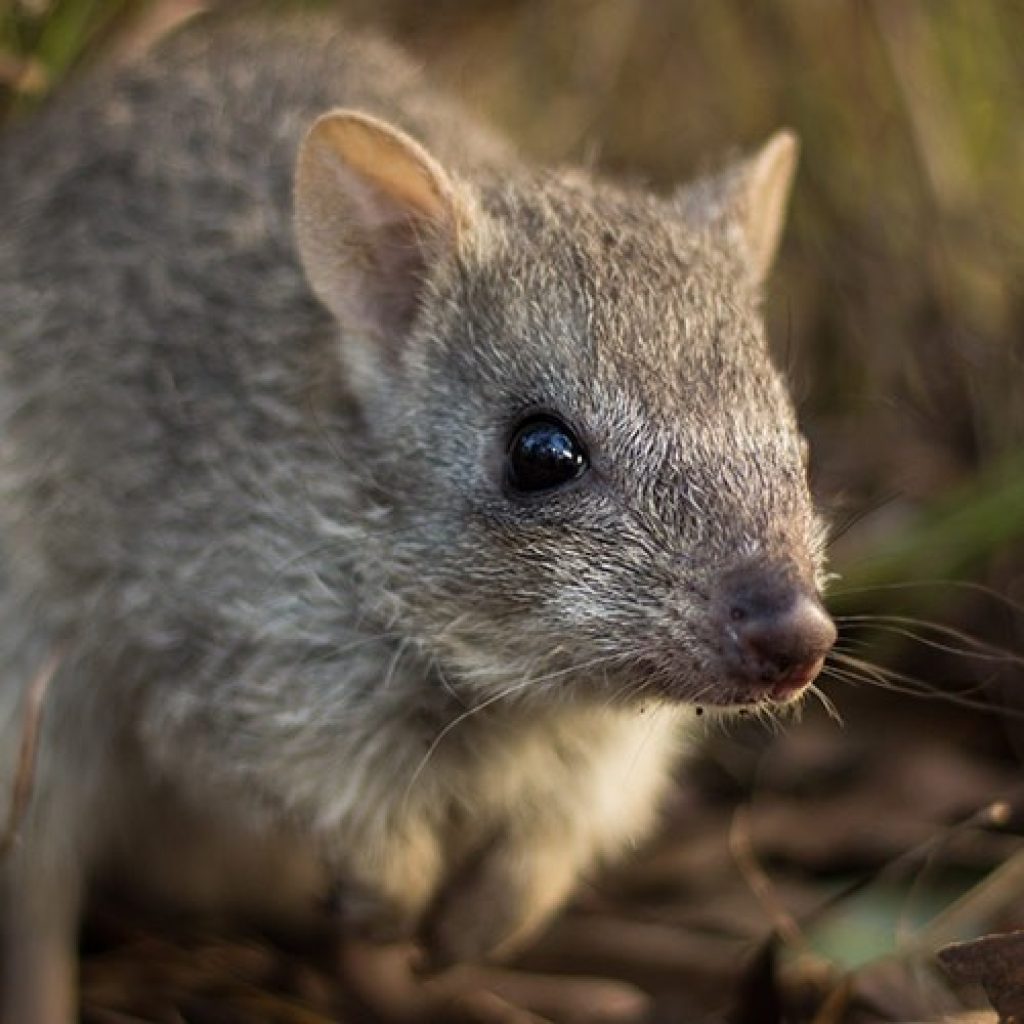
[725,692]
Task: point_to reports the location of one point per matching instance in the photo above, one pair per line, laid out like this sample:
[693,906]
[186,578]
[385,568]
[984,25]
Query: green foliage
[40,42]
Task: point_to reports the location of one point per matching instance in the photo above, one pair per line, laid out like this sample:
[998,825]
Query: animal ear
[766,188]
[750,199]
[373,213]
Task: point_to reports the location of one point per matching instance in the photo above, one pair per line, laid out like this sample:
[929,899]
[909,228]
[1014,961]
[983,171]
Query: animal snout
[777,630]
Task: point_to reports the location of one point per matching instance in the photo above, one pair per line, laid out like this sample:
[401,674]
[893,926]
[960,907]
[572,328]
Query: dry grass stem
[21,791]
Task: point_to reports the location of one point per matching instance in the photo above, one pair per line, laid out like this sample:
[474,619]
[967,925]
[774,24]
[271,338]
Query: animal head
[594,481]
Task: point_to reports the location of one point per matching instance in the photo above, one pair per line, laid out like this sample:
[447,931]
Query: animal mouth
[783,689]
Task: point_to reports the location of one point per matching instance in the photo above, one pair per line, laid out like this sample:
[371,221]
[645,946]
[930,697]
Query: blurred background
[897,311]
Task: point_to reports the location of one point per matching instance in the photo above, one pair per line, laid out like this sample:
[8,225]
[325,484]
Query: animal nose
[778,631]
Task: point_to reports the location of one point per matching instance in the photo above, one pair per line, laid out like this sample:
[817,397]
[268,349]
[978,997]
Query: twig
[742,850]
[21,791]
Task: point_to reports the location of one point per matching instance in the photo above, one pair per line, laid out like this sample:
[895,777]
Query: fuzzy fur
[307,643]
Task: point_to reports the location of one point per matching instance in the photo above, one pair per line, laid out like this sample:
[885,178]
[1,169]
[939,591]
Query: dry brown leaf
[996,962]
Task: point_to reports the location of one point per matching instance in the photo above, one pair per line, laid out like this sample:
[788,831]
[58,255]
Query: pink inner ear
[395,279]
[374,212]
[394,165]
[392,238]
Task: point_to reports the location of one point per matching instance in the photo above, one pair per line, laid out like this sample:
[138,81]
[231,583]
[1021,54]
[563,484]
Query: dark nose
[778,632]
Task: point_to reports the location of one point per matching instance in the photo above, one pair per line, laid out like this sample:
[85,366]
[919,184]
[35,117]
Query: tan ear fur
[373,209]
[766,188]
[386,158]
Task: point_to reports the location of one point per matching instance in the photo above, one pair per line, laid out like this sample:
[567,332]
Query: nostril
[774,654]
[782,640]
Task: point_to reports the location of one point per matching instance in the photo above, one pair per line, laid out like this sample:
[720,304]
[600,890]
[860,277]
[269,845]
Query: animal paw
[370,916]
[496,903]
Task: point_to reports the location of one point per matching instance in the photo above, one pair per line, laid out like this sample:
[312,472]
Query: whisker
[534,682]
[899,682]
[854,518]
[826,702]
[392,670]
[1002,657]
[966,585]
[446,683]
[905,624]
[850,646]
[458,720]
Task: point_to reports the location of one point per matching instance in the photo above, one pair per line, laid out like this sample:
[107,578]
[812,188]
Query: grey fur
[303,632]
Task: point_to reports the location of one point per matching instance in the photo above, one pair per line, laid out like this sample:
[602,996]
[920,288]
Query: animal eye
[544,454]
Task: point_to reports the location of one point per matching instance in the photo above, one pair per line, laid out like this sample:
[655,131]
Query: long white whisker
[458,720]
[826,702]
[969,585]
[899,682]
[506,692]
[904,625]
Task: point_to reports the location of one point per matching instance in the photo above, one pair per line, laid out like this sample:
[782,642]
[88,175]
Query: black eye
[544,454]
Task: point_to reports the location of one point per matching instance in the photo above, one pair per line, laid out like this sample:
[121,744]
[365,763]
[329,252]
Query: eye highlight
[543,454]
